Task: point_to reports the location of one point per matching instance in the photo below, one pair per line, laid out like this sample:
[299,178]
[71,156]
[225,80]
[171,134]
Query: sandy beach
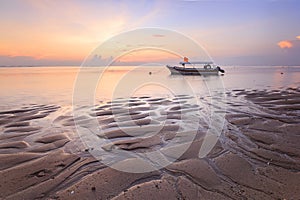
[256,157]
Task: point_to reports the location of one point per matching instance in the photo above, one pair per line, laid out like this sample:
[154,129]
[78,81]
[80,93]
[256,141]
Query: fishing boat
[195,68]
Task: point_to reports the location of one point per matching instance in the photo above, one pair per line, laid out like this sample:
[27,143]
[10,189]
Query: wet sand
[256,157]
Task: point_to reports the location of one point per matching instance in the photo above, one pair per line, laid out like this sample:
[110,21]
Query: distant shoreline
[244,66]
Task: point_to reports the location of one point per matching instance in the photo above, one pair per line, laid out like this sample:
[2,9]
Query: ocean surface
[57,85]
[56,122]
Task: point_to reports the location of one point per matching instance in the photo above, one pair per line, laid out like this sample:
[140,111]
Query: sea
[61,85]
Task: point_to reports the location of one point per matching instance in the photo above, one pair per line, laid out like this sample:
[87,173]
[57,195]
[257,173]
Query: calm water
[57,85]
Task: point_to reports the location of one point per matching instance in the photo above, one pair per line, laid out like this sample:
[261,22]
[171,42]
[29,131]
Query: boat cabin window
[208,66]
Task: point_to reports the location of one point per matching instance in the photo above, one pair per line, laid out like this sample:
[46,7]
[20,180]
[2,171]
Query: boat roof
[197,62]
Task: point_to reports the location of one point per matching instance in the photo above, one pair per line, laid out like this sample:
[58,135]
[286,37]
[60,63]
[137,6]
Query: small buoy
[281,73]
[150,73]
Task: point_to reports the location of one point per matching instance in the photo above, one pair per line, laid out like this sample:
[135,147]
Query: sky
[233,32]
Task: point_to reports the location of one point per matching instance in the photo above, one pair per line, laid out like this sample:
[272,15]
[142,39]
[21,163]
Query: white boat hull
[192,71]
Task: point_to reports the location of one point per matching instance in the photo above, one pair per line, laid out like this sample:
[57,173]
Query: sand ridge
[256,157]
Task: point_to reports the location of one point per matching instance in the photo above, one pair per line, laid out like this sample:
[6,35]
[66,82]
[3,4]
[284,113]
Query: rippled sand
[256,157]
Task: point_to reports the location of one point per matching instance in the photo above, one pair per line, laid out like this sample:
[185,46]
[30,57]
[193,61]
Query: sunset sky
[234,32]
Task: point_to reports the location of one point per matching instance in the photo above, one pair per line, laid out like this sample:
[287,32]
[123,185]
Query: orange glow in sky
[36,32]
[148,55]
[45,30]
[50,42]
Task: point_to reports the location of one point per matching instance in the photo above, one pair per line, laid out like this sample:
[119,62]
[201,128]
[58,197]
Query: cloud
[286,55]
[158,35]
[32,61]
[285,44]
[290,53]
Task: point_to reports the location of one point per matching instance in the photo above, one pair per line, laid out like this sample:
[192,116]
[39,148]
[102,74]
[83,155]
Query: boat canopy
[199,62]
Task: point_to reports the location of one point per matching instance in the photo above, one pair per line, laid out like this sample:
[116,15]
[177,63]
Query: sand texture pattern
[256,157]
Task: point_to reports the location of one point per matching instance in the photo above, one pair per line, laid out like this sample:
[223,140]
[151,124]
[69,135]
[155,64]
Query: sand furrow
[256,157]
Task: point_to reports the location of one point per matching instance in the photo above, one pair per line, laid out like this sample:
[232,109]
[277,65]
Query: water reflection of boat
[195,68]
